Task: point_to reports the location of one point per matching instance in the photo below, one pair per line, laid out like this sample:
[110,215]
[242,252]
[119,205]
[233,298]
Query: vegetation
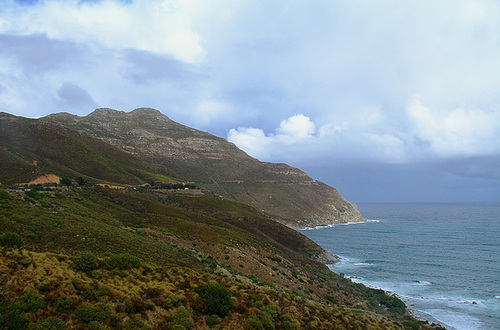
[112,248]
[10,239]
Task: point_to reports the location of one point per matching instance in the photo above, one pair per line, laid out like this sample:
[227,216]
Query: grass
[151,253]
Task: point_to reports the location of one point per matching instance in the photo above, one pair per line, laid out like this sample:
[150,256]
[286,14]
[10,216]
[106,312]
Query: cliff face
[216,164]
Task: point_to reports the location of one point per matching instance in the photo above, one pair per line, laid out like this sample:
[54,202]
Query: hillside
[105,250]
[217,165]
[96,258]
[30,148]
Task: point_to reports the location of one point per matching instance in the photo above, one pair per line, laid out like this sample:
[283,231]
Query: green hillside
[174,243]
[56,149]
[78,255]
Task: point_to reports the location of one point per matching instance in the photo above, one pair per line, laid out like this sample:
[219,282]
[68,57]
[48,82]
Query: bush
[86,313]
[50,323]
[216,297]
[181,317]
[31,301]
[135,323]
[122,261]
[94,325]
[63,305]
[86,262]
[173,300]
[11,316]
[11,240]
[5,196]
[212,320]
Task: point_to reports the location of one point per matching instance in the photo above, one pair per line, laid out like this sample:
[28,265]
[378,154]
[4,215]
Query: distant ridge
[217,165]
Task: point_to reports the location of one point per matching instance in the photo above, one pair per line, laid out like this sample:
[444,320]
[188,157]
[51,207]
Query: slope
[30,148]
[217,165]
[152,254]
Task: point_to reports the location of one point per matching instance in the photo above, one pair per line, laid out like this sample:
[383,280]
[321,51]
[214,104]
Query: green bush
[102,311]
[11,316]
[94,325]
[50,323]
[182,318]
[122,261]
[31,301]
[173,300]
[5,196]
[87,313]
[212,320]
[86,262]
[135,323]
[216,297]
[11,240]
[253,323]
[63,305]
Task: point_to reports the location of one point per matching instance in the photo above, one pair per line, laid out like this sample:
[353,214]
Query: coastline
[399,254]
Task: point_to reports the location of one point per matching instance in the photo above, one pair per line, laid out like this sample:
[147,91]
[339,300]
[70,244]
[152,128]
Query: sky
[387,101]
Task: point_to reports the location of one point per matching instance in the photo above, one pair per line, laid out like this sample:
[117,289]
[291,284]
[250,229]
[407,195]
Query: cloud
[147,68]
[325,85]
[297,141]
[161,27]
[73,96]
[465,132]
[297,127]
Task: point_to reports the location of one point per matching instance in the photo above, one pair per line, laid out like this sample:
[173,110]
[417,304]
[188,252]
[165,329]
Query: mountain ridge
[217,165]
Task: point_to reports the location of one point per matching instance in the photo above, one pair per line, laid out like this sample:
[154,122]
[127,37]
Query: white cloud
[297,127]
[466,132]
[296,140]
[158,26]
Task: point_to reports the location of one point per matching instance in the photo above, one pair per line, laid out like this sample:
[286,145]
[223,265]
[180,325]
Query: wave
[456,320]
[326,226]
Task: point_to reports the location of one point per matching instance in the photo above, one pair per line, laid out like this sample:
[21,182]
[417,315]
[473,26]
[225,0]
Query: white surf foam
[459,321]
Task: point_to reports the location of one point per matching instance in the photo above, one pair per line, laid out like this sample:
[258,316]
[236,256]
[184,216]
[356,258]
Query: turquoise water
[443,260]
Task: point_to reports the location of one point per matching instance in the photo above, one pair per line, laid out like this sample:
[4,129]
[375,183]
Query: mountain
[103,250]
[217,165]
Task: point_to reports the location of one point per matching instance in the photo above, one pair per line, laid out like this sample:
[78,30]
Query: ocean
[443,260]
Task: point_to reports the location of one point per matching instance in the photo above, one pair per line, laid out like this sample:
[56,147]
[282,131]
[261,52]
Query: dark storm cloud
[74,96]
[37,53]
[148,68]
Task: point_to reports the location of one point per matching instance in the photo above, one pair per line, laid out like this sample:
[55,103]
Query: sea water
[443,260]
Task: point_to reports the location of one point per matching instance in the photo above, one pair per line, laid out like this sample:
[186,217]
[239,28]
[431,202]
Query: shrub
[253,323]
[11,316]
[172,300]
[63,304]
[135,323]
[31,301]
[216,297]
[212,320]
[50,323]
[86,262]
[5,196]
[86,313]
[181,317]
[102,311]
[11,240]
[94,325]
[122,261]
